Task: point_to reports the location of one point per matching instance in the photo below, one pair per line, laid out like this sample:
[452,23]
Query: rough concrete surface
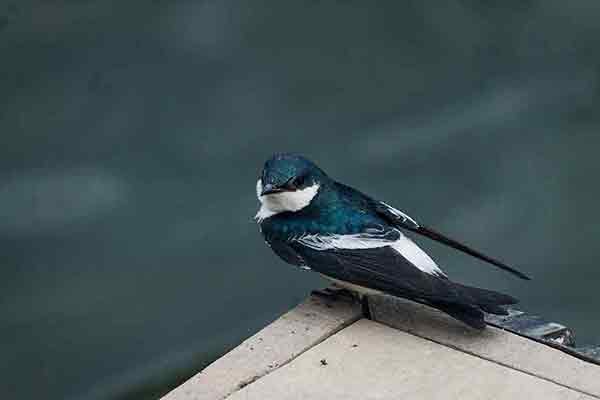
[293,333]
[319,351]
[368,360]
[493,344]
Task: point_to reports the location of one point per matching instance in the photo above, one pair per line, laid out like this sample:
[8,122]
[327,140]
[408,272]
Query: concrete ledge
[293,333]
[368,360]
[492,344]
[322,349]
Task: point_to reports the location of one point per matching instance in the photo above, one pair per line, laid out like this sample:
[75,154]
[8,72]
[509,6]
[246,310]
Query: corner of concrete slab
[264,361]
[308,324]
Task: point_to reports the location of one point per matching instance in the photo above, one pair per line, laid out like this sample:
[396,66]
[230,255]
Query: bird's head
[288,182]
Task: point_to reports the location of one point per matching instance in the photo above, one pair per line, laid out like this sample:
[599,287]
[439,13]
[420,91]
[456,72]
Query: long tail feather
[430,233]
[474,303]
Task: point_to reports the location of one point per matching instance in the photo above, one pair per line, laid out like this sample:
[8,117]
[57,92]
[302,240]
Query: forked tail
[473,304]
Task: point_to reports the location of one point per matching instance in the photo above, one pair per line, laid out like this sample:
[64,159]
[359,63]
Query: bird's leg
[366,310]
[334,292]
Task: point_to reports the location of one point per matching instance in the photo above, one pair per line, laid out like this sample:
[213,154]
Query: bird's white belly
[351,286]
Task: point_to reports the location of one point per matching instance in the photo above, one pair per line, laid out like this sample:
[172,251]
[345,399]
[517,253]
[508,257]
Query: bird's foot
[333,293]
[364,304]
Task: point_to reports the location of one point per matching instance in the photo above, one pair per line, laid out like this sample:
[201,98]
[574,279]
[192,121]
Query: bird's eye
[297,181]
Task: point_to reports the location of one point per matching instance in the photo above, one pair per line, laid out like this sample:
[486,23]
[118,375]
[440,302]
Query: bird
[359,243]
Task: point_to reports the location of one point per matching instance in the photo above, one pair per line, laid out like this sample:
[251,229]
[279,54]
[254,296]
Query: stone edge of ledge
[295,332]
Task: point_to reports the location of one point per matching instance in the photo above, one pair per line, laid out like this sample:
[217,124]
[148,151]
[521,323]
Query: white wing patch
[330,242]
[404,246]
[399,213]
[413,253]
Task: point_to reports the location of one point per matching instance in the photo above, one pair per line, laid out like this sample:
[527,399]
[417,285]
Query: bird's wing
[402,220]
[379,238]
[390,263]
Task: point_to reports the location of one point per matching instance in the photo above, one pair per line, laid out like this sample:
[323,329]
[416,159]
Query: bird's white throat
[275,203]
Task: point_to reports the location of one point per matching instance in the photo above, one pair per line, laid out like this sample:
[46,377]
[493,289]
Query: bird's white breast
[275,203]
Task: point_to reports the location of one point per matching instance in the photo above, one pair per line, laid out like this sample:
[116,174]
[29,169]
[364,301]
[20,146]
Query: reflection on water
[40,202]
[132,136]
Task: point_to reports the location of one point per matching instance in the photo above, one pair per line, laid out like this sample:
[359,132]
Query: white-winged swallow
[314,222]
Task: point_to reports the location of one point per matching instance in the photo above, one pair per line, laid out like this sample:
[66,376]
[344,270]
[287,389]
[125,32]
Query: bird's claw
[336,293]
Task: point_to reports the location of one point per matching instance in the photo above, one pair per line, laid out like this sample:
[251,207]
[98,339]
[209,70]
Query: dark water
[132,133]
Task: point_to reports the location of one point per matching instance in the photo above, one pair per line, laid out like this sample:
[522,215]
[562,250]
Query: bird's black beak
[270,189]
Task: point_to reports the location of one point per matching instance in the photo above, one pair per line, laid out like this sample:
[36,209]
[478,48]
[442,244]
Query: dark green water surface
[132,134]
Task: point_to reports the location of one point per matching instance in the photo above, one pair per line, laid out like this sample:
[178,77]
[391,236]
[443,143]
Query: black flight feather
[430,233]
[403,221]
[385,270]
